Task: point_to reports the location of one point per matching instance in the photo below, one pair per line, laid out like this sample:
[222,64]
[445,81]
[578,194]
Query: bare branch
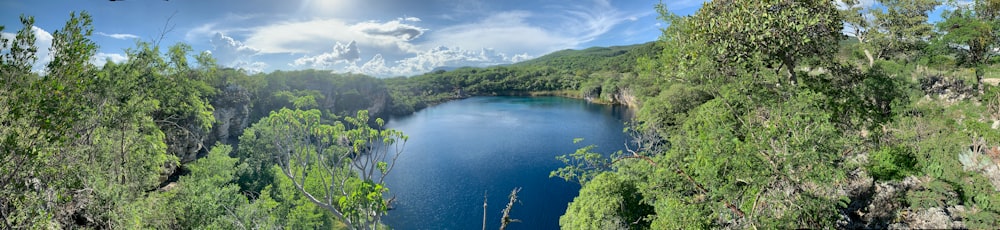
[506,211]
[167,28]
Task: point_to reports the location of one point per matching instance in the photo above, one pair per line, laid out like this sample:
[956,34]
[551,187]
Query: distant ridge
[614,58]
[593,59]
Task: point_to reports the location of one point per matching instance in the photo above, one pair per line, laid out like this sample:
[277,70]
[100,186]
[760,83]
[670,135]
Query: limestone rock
[232,115]
[947,89]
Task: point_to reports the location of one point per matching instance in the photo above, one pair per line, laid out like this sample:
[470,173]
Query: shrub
[892,163]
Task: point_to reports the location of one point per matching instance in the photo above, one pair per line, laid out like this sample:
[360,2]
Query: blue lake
[461,149]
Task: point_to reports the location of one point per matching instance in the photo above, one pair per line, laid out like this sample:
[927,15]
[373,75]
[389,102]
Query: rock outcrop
[879,205]
[232,115]
[624,96]
[947,89]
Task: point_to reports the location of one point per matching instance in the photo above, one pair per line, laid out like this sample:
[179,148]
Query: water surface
[461,149]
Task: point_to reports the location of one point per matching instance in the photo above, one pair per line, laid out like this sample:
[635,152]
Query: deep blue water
[461,149]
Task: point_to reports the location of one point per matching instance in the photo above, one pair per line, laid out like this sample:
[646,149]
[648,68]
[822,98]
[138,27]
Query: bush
[892,163]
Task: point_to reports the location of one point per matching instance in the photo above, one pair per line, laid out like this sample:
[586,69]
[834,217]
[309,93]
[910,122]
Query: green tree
[902,27]
[347,165]
[207,194]
[607,202]
[775,31]
[972,31]
[582,165]
[860,24]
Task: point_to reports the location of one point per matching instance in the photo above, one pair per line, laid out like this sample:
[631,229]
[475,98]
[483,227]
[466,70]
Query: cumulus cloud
[375,67]
[341,54]
[232,53]
[437,57]
[43,41]
[311,35]
[119,36]
[100,59]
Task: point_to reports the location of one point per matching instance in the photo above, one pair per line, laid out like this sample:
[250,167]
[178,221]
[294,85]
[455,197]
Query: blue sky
[376,37]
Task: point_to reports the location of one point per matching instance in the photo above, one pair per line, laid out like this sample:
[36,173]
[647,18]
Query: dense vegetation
[163,140]
[168,139]
[751,114]
[764,115]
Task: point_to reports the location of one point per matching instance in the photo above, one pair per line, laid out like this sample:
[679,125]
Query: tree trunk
[871,59]
[789,63]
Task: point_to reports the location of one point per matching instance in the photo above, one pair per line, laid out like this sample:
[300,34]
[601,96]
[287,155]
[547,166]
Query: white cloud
[411,19]
[341,54]
[232,53]
[100,59]
[512,31]
[506,31]
[438,57]
[308,36]
[119,36]
[375,67]
[392,29]
[859,4]
[455,57]
[43,42]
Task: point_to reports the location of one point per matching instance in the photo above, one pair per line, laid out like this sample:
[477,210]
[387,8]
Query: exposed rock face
[932,218]
[185,139]
[381,100]
[185,143]
[232,115]
[880,205]
[948,89]
[624,96]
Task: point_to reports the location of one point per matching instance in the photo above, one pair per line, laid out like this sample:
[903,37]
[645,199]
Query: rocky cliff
[232,115]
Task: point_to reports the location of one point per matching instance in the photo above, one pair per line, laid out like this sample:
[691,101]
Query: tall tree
[973,30]
[902,27]
[858,19]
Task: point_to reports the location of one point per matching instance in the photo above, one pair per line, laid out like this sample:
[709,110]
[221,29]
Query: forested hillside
[751,114]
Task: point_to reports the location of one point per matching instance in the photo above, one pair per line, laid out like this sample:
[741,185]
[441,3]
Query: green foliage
[669,109]
[892,163]
[973,26]
[936,193]
[338,169]
[207,193]
[607,202]
[582,165]
[779,32]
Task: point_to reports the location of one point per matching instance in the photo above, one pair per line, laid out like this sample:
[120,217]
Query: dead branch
[506,211]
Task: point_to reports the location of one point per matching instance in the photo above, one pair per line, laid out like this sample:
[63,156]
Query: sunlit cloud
[428,60]
[312,35]
[232,53]
[341,54]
